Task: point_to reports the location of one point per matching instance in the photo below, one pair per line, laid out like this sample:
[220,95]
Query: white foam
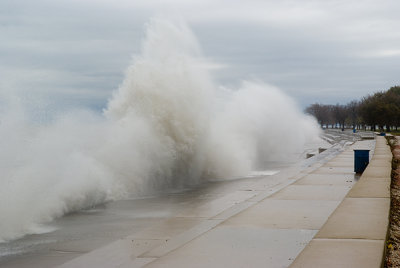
[167,126]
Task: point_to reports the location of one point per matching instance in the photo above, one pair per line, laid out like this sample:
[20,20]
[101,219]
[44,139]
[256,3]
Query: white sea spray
[167,126]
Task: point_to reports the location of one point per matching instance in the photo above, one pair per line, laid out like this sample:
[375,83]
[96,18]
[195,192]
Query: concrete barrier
[354,235]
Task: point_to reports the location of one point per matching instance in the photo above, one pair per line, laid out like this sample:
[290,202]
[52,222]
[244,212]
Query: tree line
[379,111]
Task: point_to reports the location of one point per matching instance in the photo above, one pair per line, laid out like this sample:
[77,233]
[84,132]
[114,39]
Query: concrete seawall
[354,235]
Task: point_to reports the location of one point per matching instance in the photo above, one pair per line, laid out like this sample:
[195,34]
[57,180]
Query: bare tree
[381,109]
[320,112]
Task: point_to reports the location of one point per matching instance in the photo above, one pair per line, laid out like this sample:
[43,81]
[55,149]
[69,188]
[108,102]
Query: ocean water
[168,127]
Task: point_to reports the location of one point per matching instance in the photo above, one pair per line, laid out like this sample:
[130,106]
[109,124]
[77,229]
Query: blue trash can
[361,160]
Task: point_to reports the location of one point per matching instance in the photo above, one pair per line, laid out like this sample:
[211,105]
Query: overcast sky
[73,53]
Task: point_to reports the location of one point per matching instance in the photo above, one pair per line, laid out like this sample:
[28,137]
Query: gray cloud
[75,52]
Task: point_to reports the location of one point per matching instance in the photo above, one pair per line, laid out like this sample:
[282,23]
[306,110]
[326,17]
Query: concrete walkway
[254,227]
[354,235]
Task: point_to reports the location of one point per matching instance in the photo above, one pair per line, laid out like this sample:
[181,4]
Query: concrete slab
[51,259]
[215,207]
[377,172]
[378,179]
[261,195]
[343,253]
[264,184]
[246,183]
[371,188]
[138,262]
[77,246]
[340,163]
[348,151]
[344,155]
[229,246]
[340,158]
[181,239]
[385,156]
[358,218]
[382,146]
[285,214]
[327,179]
[233,210]
[113,255]
[381,152]
[334,170]
[167,228]
[387,163]
[312,192]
